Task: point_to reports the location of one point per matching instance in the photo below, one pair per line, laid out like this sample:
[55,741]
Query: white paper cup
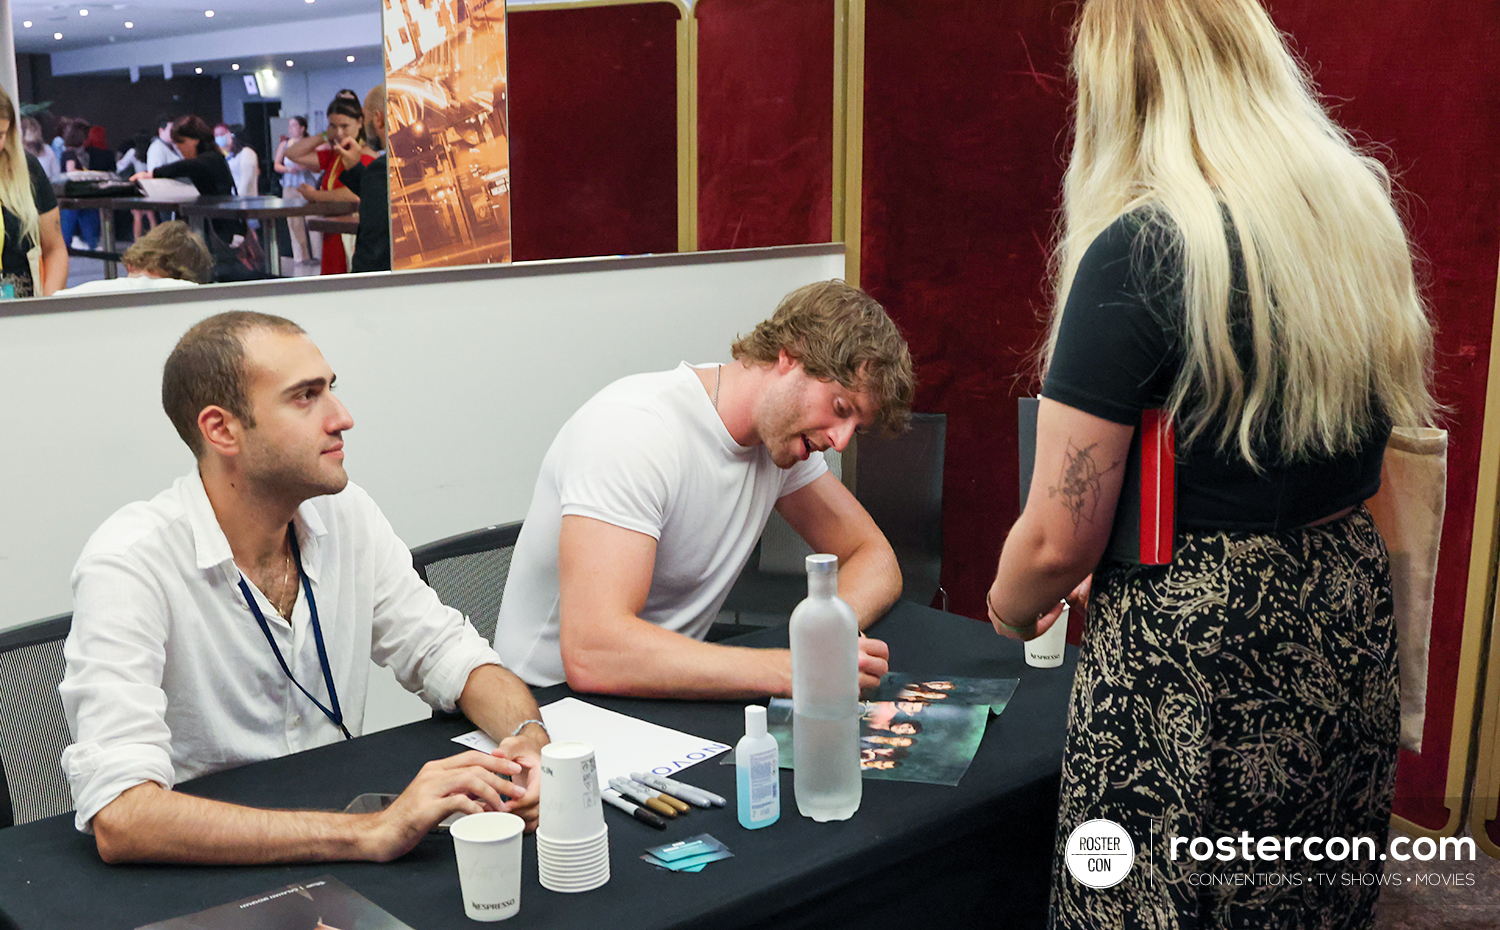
[488,849]
[571,808]
[1046,651]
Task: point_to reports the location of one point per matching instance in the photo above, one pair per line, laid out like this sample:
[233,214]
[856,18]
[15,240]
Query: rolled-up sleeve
[430,647]
[112,688]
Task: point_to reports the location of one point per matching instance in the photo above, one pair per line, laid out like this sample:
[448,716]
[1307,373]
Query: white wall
[457,381]
[302,93]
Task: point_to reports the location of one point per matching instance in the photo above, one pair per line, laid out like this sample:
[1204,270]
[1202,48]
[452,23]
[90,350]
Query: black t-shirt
[1119,351]
[210,174]
[15,269]
[372,242]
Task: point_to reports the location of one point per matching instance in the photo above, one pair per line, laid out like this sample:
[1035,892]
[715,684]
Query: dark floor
[1462,895]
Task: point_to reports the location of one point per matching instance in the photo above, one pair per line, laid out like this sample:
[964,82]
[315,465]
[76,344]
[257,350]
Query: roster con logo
[1100,853]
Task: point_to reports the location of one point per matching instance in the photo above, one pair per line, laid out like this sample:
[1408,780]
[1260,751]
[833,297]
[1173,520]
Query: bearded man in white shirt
[654,493]
[233,618]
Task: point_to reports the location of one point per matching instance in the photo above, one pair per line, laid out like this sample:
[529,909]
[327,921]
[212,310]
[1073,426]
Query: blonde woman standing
[33,253]
[1228,256]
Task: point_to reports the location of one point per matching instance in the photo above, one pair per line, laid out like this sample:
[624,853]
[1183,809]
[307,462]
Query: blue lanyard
[336,715]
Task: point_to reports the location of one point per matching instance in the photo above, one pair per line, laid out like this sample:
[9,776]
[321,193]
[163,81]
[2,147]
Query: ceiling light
[130,25]
[349,58]
[57,35]
[197,70]
[209,13]
[234,67]
[83,12]
[27,24]
[288,62]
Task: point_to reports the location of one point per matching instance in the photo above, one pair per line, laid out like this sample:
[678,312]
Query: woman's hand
[141,174]
[1025,631]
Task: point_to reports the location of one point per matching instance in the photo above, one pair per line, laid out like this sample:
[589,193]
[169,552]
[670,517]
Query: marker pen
[630,790]
[676,805]
[689,793]
[613,798]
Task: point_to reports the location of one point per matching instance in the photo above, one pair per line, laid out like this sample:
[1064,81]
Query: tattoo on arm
[1080,483]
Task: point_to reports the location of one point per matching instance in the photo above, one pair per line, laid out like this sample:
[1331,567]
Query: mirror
[319,36]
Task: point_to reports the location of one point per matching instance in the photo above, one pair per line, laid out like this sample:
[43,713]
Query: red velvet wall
[593,119]
[965,136]
[965,118]
[1419,79]
[765,122]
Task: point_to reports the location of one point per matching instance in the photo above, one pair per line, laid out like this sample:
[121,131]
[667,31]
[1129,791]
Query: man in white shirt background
[233,618]
[652,496]
[162,151]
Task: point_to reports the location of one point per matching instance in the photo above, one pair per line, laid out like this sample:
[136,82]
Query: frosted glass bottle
[825,697]
[756,773]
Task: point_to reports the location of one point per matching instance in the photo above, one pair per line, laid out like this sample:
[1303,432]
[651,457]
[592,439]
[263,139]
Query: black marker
[639,813]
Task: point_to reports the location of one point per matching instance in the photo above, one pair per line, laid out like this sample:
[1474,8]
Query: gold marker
[632,791]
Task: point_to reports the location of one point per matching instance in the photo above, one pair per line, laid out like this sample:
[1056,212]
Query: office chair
[33,729]
[468,571]
[900,482]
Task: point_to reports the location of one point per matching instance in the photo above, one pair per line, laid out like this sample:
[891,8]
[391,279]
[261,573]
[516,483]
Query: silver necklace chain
[717,378]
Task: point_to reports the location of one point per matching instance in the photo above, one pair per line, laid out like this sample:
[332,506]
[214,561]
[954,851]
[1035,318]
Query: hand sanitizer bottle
[825,697]
[757,775]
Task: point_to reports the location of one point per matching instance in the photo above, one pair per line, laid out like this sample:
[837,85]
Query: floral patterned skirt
[1247,688]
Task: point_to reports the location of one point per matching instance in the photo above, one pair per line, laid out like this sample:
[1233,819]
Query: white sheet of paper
[622,744]
[168,189]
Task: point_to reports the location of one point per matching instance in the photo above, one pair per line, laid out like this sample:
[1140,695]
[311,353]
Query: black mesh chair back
[900,482]
[33,729]
[468,571]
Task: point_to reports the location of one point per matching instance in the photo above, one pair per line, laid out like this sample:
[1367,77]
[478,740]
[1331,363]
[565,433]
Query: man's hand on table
[874,662]
[467,783]
[527,754]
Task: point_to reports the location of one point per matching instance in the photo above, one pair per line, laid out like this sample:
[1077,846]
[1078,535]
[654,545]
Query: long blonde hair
[15,179]
[1196,110]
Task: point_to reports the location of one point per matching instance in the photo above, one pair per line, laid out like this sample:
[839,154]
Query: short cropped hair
[207,369]
[171,250]
[840,333]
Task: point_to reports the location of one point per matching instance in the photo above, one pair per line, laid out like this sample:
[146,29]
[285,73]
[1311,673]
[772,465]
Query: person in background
[34,254]
[132,162]
[171,255]
[36,145]
[372,243]
[1229,257]
[204,166]
[244,164]
[80,227]
[293,176]
[162,150]
[345,121]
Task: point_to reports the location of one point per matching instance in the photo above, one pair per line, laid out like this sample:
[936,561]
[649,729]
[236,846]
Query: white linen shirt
[169,675]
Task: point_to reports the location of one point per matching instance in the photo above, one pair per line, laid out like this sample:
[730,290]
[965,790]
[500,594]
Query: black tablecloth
[978,854]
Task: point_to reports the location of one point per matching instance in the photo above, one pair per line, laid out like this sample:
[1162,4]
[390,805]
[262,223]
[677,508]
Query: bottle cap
[755,721]
[822,562]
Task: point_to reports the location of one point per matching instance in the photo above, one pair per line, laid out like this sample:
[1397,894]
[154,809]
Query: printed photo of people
[902,740]
[913,689]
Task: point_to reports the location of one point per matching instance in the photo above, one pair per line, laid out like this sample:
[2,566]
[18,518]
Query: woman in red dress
[345,123]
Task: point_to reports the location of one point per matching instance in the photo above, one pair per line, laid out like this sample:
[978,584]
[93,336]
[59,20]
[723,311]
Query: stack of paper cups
[572,843]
